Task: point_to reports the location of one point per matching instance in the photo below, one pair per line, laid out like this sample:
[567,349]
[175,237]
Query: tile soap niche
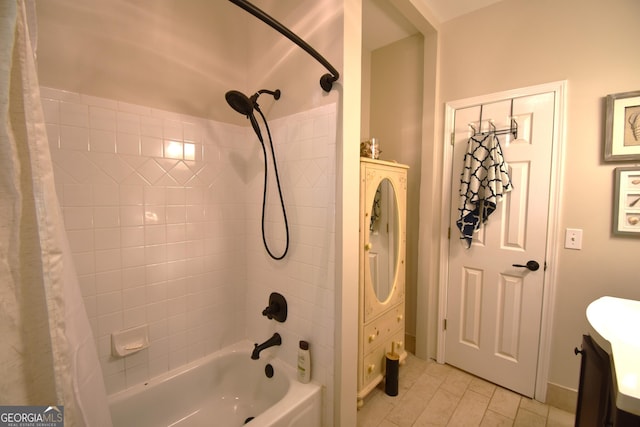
[129,341]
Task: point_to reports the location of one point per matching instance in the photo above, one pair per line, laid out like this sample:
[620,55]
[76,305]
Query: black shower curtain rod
[326,81]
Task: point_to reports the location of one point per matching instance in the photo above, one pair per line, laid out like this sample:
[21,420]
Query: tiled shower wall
[162,212]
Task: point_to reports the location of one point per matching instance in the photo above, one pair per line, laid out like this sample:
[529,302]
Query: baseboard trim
[562,397]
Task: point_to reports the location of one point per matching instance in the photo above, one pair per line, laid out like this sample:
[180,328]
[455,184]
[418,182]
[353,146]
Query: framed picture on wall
[626,209]
[622,127]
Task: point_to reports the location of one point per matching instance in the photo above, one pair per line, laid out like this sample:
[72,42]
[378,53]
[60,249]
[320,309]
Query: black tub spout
[273,341]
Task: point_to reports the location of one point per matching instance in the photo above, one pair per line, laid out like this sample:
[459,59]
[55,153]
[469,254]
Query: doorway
[494,309]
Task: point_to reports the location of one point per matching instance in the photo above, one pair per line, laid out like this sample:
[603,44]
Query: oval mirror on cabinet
[383,240]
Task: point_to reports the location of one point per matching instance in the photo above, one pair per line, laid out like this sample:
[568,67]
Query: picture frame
[626,212]
[622,127]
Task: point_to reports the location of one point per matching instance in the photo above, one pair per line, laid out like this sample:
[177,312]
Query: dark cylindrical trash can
[391,374]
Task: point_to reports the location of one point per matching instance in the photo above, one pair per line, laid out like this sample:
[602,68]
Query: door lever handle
[531,265]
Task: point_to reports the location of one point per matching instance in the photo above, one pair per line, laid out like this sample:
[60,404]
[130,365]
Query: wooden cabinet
[383,198]
[596,401]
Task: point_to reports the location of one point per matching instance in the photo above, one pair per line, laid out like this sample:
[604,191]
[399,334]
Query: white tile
[155,254]
[131,215]
[151,127]
[151,171]
[107,238]
[109,303]
[84,263]
[127,143]
[80,240]
[76,218]
[132,236]
[133,277]
[176,251]
[176,195]
[176,214]
[133,256]
[173,149]
[135,297]
[128,123]
[156,272]
[176,232]
[108,260]
[131,195]
[108,281]
[78,195]
[105,195]
[134,317]
[51,109]
[154,195]
[103,141]
[172,129]
[106,216]
[157,312]
[74,114]
[109,323]
[155,234]
[176,269]
[151,147]
[53,136]
[74,138]
[103,119]
[154,215]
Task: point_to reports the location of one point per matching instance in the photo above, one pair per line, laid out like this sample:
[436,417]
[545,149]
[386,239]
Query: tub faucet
[274,340]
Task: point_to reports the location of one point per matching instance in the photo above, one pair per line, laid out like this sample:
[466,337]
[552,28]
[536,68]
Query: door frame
[553,239]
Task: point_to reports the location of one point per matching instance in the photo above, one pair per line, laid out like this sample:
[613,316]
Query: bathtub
[224,389]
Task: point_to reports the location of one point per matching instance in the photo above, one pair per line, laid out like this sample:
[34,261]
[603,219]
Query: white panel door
[493,307]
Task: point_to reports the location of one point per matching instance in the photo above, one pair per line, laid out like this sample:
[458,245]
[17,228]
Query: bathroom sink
[615,324]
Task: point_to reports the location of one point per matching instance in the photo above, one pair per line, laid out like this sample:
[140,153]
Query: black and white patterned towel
[484,181]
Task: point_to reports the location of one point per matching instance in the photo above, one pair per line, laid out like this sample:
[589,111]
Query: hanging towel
[485,179]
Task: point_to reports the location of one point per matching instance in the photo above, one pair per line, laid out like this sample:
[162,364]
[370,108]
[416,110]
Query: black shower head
[239,102]
[245,105]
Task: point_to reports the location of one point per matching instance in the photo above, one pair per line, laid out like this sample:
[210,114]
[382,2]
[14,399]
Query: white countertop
[615,324]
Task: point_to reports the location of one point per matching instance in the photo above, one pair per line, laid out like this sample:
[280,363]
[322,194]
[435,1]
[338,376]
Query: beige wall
[396,120]
[183,56]
[593,45]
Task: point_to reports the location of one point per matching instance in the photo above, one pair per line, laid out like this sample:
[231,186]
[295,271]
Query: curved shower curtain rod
[326,81]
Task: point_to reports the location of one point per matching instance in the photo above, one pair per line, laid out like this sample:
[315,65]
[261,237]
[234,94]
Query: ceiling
[382,24]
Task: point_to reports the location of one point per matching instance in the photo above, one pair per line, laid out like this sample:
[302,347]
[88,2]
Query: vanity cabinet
[381,296]
[596,398]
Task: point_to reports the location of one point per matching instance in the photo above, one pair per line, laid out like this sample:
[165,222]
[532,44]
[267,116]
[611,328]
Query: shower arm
[326,81]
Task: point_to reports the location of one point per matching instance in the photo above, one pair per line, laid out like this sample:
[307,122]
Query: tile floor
[430,394]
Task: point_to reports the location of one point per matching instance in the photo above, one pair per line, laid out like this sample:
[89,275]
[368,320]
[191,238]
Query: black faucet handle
[277,308]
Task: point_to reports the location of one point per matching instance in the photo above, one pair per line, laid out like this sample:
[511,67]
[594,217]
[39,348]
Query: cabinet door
[594,406]
[383,237]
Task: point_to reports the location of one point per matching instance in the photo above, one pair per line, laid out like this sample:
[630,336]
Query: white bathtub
[223,389]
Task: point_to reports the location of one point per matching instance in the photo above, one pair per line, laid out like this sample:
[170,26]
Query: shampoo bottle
[304,362]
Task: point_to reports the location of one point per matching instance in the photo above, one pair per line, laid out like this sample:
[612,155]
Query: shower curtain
[47,356]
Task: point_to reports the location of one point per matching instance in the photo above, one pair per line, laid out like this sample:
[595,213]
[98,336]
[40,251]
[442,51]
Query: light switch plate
[573,238]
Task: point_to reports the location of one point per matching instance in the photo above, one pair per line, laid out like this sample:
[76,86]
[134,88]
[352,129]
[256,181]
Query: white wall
[593,45]
[396,120]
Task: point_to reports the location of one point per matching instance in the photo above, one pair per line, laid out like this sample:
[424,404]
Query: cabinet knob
[400,317]
[368,246]
[370,368]
[372,337]
[578,351]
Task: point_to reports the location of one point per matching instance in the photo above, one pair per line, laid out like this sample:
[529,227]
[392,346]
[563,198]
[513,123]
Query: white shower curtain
[47,354]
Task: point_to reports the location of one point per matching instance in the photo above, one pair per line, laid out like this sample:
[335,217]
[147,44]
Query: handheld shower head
[245,105]
[239,102]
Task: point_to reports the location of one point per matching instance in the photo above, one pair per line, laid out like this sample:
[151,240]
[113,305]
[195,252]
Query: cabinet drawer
[379,331]
[374,363]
